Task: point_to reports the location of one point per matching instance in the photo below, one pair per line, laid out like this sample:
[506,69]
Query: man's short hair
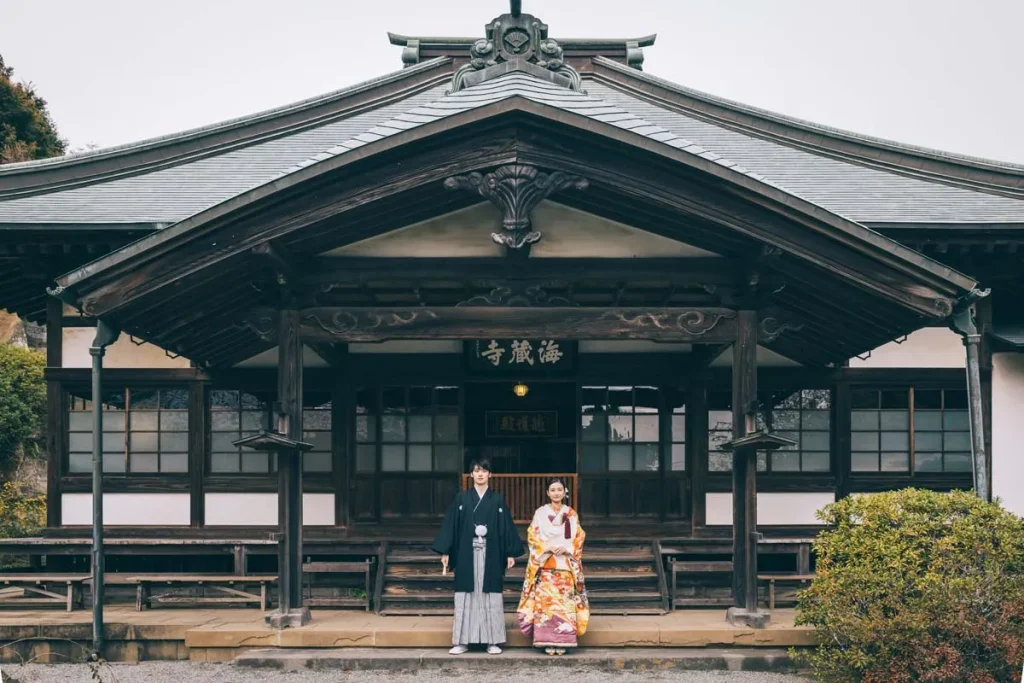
[482,463]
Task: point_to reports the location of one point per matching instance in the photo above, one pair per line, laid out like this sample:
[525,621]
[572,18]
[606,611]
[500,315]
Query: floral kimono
[554,609]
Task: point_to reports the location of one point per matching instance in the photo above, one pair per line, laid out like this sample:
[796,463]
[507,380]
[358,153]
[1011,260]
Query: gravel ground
[184,672]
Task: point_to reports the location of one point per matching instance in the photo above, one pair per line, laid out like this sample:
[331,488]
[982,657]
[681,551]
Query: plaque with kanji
[522,424]
[521,357]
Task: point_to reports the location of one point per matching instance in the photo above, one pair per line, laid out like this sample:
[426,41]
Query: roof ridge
[812,125]
[227,124]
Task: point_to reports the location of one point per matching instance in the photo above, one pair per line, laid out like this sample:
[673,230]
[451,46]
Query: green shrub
[22,402]
[917,586]
[22,513]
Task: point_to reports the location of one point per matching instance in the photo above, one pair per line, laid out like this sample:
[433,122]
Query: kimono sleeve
[447,538]
[513,543]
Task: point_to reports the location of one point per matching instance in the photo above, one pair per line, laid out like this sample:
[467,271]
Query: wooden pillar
[341,441]
[197,413]
[744,465]
[290,612]
[697,448]
[56,415]
[841,416]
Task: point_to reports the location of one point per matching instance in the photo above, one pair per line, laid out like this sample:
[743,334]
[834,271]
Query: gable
[567,233]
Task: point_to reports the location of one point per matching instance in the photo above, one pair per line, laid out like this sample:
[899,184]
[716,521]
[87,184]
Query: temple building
[711,318]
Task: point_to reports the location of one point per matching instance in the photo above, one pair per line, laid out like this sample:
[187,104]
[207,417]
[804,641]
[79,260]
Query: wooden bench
[677,567]
[229,588]
[772,578]
[40,589]
[364,568]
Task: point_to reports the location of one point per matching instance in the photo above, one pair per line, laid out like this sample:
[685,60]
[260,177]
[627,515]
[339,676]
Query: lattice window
[620,429]
[145,431]
[909,429]
[408,429]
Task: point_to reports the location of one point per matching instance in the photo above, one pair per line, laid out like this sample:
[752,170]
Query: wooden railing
[524,493]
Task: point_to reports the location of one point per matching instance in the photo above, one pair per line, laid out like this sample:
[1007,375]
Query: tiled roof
[862,194]
[856,192]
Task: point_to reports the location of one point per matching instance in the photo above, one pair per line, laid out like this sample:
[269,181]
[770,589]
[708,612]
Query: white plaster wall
[128,509]
[1008,430]
[268,359]
[260,509]
[567,232]
[121,354]
[766,358]
[930,347]
[772,508]
[317,509]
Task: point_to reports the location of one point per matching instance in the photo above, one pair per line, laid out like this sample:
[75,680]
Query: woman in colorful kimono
[554,609]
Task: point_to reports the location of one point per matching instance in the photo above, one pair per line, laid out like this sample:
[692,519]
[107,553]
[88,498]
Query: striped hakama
[479,616]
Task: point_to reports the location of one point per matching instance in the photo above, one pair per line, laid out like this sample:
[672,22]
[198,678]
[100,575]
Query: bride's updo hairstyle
[559,480]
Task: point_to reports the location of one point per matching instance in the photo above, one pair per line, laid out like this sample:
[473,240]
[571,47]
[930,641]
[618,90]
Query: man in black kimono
[480,540]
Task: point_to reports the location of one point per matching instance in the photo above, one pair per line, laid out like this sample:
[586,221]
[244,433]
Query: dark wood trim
[948,481]
[905,376]
[127,376]
[54,332]
[56,415]
[74,321]
[163,483]
[265,483]
[354,324]
[328,270]
[721,482]
[198,409]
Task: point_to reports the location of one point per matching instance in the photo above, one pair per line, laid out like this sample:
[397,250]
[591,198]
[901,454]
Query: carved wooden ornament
[516,189]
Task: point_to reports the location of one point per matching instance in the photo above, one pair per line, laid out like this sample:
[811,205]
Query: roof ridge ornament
[516,42]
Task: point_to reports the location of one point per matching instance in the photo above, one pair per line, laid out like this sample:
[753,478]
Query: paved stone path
[184,672]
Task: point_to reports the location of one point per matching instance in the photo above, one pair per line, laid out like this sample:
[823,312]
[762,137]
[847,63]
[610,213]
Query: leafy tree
[22,403]
[26,130]
[917,586]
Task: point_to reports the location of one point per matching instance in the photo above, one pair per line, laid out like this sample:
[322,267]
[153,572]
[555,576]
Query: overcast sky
[940,73]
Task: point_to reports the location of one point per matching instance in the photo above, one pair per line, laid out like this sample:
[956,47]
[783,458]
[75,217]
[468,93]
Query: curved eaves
[928,273]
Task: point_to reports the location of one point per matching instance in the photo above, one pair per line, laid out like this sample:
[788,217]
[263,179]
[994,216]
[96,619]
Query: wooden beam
[333,324]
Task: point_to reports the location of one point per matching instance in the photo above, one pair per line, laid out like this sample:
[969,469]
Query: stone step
[597,659]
